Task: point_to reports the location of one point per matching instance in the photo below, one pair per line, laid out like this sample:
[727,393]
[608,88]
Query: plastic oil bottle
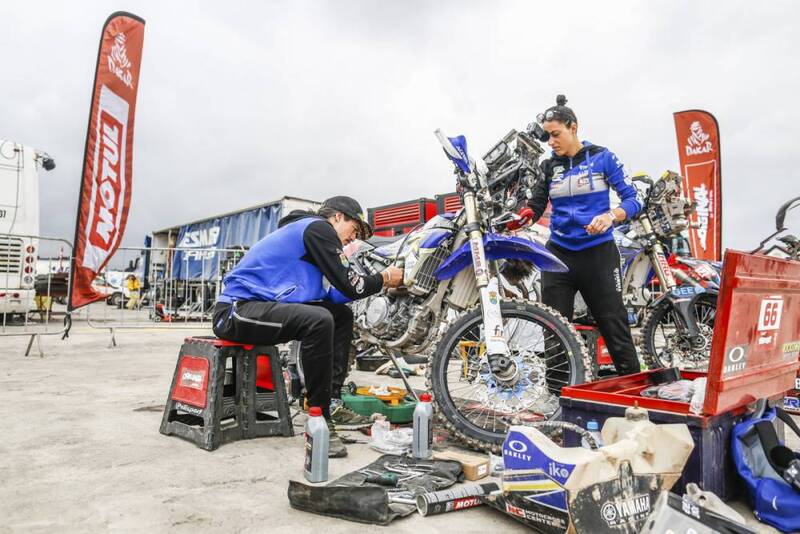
[317,441]
[423,428]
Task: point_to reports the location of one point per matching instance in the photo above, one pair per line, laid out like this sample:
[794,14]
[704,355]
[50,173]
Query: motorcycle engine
[384,316]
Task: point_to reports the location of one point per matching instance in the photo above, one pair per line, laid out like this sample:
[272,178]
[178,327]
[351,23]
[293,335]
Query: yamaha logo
[628,511]
[609,512]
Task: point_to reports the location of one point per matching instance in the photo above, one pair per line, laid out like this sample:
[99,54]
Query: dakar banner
[698,149]
[105,191]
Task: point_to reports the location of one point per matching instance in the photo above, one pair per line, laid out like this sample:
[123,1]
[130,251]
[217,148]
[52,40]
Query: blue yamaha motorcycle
[497,360]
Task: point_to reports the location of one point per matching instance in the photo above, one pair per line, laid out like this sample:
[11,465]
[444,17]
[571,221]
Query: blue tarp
[242,229]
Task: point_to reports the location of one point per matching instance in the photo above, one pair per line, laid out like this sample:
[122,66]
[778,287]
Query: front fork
[683,305]
[488,286]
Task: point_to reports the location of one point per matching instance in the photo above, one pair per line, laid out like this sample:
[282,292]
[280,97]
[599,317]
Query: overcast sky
[241,103]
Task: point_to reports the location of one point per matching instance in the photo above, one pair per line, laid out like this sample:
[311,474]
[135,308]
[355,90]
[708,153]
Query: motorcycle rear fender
[501,247]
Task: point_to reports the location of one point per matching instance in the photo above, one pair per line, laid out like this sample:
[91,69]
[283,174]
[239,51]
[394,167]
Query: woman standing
[578,177]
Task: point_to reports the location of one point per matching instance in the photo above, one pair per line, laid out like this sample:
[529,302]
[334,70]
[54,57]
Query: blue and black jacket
[578,189]
[302,261]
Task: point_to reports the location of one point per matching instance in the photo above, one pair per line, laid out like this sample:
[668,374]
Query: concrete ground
[81,451]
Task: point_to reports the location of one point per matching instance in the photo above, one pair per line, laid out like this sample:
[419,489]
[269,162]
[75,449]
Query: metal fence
[144,288]
[34,278]
[161,288]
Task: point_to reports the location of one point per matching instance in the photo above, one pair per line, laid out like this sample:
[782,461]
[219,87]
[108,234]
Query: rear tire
[555,331]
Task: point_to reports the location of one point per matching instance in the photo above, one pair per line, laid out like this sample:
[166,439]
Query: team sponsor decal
[356,281]
[769,316]
[628,511]
[536,517]
[735,359]
[791,348]
[698,142]
[664,264]
[791,404]
[703,208]
[188,409]
[477,257]
[704,271]
[466,502]
[520,454]
[193,379]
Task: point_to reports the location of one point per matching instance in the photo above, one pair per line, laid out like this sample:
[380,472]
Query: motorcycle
[496,360]
[789,244]
[676,296]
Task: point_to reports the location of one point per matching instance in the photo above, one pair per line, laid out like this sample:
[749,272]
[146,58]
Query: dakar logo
[703,211]
[698,142]
[118,61]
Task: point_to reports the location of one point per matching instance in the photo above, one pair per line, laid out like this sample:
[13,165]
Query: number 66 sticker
[769,317]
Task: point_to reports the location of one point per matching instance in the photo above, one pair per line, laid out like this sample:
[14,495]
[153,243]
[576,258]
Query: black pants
[595,272]
[324,329]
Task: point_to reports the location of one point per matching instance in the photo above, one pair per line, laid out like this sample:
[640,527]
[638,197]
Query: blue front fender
[501,247]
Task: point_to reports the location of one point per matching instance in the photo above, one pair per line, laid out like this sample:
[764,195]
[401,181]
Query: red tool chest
[754,354]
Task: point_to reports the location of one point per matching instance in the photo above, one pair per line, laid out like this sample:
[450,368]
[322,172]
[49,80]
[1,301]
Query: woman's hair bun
[561,100]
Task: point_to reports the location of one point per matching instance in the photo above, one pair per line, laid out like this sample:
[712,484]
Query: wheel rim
[672,348]
[543,362]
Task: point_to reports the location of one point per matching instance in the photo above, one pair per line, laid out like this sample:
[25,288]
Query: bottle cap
[315,411]
[425,397]
[591,425]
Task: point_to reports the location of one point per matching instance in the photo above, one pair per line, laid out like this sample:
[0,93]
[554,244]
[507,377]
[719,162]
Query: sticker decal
[769,318]
[735,359]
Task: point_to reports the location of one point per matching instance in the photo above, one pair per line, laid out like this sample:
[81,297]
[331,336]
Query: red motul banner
[698,149]
[105,192]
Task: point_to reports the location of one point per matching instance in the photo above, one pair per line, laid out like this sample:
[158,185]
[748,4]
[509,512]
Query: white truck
[19,219]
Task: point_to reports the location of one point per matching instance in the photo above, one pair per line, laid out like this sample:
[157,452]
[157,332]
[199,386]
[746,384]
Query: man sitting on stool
[281,291]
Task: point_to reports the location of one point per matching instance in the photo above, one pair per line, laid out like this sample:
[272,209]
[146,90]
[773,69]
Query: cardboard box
[475,466]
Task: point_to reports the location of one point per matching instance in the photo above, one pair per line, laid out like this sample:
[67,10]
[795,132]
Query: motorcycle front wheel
[664,343]
[477,407]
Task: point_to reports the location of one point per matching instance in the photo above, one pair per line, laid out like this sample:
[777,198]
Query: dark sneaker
[336,448]
[346,419]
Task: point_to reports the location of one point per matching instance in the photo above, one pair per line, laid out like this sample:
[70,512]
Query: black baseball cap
[350,207]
